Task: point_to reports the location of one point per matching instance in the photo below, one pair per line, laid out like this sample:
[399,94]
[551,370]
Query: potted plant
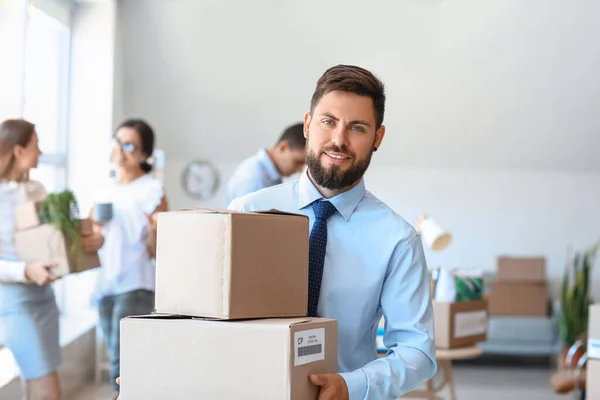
[62,210]
[575,299]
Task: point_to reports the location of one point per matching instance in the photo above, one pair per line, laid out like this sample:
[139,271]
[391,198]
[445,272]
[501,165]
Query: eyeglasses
[125,147]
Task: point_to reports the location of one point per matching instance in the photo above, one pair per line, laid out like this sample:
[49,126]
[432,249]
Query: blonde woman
[28,311]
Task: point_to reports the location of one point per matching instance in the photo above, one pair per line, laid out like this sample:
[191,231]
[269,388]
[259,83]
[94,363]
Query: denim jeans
[112,310]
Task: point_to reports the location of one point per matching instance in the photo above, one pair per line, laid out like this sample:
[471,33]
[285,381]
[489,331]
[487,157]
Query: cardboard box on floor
[593,344]
[232,265]
[165,357]
[521,269]
[519,298]
[46,243]
[459,324]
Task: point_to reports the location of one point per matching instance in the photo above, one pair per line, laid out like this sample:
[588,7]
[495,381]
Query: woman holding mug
[127,277]
[28,311]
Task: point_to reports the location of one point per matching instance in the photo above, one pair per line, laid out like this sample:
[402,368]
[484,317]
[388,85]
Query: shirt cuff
[357,384]
[12,271]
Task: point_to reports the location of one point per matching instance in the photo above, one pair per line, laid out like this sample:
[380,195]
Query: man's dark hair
[352,79]
[294,136]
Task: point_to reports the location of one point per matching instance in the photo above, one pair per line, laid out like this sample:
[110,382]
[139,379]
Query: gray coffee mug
[103,212]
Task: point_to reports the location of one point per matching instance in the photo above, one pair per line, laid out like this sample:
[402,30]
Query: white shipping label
[593,348]
[309,346]
[470,323]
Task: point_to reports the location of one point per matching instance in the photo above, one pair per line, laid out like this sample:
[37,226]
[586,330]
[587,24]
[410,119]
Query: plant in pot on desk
[575,301]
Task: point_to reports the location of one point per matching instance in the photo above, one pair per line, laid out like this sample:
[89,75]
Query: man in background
[268,166]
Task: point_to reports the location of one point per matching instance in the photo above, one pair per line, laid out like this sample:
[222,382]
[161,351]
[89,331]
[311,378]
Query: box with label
[45,243]
[515,298]
[232,265]
[459,324]
[593,345]
[167,357]
[521,269]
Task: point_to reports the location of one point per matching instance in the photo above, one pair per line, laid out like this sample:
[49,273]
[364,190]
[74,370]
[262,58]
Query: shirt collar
[265,161]
[345,202]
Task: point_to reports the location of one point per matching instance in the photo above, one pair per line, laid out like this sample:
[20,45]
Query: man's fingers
[317,380]
[118,380]
[327,393]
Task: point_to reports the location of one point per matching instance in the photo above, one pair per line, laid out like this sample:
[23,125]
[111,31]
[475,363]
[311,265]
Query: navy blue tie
[316,258]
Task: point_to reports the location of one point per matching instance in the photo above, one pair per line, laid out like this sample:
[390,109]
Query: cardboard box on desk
[459,324]
[519,298]
[166,357]
[521,269]
[593,344]
[232,265]
[46,243]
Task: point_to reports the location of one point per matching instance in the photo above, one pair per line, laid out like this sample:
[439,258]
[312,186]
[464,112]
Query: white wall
[491,112]
[92,76]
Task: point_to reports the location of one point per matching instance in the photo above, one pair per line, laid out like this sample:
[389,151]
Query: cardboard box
[521,269]
[47,243]
[593,344]
[187,358]
[28,214]
[232,265]
[459,324]
[519,298]
[592,381]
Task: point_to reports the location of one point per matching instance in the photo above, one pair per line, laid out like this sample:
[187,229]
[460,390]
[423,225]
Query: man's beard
[333,178]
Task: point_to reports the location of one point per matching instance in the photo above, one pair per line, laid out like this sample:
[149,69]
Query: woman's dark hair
[146,137]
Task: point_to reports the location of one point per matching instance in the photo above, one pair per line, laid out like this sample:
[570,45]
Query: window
[45,98]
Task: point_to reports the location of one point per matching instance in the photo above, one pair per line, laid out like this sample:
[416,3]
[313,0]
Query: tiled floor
[473,382]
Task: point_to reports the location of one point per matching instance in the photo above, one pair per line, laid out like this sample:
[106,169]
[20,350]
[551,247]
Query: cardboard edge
[157,316]
[227,273]
[211,210]
[274,211]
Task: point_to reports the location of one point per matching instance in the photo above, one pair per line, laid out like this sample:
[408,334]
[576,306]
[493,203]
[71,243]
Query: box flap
[211,210]
[279,212]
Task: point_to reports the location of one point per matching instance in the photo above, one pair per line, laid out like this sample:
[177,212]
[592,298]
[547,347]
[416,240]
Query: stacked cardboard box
[593,353]
[521,288]
[459,324]
[39,241]
[230,318]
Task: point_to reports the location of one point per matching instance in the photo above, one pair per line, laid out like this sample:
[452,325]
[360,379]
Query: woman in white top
[28,311]
[127,278]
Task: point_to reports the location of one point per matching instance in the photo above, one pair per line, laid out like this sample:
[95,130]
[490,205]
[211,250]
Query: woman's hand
[152,229]
[92,243]
[40,273]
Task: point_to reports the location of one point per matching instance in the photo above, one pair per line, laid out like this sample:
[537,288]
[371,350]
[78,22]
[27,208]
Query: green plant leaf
[62,210]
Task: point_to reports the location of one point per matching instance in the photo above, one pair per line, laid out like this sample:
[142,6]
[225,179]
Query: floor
[473,382]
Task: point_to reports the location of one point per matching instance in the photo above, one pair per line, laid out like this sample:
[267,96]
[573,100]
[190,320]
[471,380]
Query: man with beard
[365,261]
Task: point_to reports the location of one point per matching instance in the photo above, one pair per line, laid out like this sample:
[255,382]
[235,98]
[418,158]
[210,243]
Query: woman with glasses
[127,276]
[28,312]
